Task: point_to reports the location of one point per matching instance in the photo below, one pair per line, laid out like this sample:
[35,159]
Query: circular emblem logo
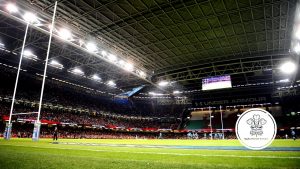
[256,129]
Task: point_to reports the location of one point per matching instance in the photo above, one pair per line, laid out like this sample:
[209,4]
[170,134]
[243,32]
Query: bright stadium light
[103,53]
[2,46]
[56,64]
[81,42]
[163,83]
[284,81]
[65,34]
[112,57]
[288,67]
[91,47]
[30,17]
[297,48]
[50,26]
[129,67]
[77,71]
[142,74]
[96,77]
[122,62]
[176,92]
[27,53]
[297,34]
[12,8]
[111,83]
[156,94]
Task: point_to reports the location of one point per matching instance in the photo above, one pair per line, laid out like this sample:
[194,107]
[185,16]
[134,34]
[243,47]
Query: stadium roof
[181,41]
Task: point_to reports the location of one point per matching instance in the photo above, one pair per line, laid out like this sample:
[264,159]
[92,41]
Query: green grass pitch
[110,154]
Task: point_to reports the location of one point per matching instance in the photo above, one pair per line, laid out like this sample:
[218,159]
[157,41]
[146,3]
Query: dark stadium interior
[181,42]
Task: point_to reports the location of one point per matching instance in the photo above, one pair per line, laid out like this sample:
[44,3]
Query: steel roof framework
[174,38]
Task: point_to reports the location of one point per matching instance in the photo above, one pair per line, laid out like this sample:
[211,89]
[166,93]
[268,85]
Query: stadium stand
[82,115]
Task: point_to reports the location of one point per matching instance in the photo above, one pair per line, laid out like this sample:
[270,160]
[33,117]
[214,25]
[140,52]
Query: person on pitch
[293,133]
[55,134]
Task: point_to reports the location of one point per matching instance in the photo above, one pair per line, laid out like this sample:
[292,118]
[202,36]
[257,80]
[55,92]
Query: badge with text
[256,129]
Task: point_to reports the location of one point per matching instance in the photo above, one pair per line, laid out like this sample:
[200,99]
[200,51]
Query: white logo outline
[256,127]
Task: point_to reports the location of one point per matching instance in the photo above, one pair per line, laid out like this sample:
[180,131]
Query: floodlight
[65,34]
[111,83]
[2,46]
[176,92]
[142,74]
[284,81]
[56,64]
[50,26]
[112,57]
[163,83]
[78,71]
[129,67]
[96,77]
[297,34]
[288,67]
[103,53]
[12,8]
[122,62]
[27,53]
[297,48]
[91,47]
[156,94]
[30,17]
[81,42]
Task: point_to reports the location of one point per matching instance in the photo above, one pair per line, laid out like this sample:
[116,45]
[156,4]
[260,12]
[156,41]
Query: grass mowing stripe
[157,153]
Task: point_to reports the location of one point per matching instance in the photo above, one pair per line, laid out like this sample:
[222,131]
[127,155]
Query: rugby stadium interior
[148,70]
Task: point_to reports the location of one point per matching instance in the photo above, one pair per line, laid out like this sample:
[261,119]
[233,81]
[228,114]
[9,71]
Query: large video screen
[217,82]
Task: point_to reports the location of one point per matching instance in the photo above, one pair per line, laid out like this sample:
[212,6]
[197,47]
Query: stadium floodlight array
[91,47]
[2,46]
[297,48]
[84,87]
[65,34]
[157,94]
[176,92]
[103,53]
[29,55]
[77,71]
[163,83]
[12,8]
[288,67]
[111,83]
[142,73]
[96,78]
[129,67]
[31,18]
[112,57]
[75,39]
[56,64]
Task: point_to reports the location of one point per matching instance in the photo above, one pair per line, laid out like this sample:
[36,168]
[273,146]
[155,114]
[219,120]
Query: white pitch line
[158,153]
